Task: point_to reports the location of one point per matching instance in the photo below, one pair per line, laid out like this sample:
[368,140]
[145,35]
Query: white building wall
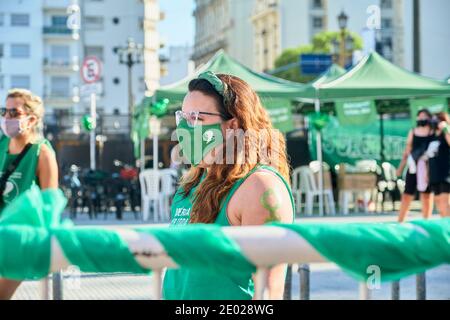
[179,65]
[114,35]
[407,34]
[240,37]
[31,35]
[294,23]
[435,38]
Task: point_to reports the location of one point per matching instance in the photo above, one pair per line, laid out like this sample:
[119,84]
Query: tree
[322,43]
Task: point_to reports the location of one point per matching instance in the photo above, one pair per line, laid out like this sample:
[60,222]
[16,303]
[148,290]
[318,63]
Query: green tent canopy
[376,78]
[265,85]
[276,94]
[332,73]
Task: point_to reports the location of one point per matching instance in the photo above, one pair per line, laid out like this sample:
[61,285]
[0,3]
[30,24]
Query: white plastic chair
[150,194]
[304,182]
[168,181]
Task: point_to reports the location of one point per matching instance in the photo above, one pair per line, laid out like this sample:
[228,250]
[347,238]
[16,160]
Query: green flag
[356,112]
[280,113]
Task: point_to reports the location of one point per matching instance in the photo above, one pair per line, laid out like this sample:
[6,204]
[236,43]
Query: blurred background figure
[416,145]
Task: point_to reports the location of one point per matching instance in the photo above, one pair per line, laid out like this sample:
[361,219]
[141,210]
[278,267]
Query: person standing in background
[416,145]
[439,164]
[21,123]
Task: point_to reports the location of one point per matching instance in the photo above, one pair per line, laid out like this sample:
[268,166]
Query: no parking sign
[91,69]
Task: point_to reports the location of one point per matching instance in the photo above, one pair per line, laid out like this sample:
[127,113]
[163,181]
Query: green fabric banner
[395,250]
[357,112]
[352,143]
[434,105]
[280,113]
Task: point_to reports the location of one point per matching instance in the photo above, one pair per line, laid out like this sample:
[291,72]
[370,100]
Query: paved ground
[327,281]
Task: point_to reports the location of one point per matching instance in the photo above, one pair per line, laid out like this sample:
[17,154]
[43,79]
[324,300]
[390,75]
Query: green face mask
[196,142]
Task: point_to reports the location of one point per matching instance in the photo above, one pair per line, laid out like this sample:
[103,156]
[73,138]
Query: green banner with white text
[356,112]
[349,144]
[280,113]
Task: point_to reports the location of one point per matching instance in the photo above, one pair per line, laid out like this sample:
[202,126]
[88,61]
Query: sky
[178,26]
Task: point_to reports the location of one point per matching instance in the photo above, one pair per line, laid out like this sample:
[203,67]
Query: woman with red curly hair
[239,176]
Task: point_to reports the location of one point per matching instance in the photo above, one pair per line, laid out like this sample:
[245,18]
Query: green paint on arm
[270,200]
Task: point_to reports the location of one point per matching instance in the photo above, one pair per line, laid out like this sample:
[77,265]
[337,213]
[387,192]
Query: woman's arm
[262,198]
[406,153]
[47,169]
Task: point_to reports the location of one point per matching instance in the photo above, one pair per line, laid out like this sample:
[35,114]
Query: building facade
[282,24]
[179,64]
[40,52]
[255,32]
[223,24]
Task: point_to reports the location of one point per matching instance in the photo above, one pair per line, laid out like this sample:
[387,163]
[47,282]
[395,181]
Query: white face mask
[12,127]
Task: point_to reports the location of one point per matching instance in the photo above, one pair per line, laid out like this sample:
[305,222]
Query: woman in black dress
[416,145]
[439,164]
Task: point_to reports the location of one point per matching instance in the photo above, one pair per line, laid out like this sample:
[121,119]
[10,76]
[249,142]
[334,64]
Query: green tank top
[186,284]
[25,174]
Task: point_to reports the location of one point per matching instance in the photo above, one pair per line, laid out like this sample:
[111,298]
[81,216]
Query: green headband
[219,85]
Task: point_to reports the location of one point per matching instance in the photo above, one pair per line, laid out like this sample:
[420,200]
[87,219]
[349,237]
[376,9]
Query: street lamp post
[130,55]
[343,46]
[342,21]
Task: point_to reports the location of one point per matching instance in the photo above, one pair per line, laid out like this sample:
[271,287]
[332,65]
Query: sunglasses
[12,112]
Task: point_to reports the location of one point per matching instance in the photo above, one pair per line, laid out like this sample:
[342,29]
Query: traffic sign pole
[92,133]
[90,72]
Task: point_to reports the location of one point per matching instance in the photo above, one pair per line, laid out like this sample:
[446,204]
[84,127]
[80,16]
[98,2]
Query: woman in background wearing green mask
[21,123]
[233,181]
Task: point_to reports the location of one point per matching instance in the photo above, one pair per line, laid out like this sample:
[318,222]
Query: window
[2,19]
[141,23]
[1,51]
[93,23]
[20,20]
[317,22]
[60,86]
[96,51]
[386,4]
[317,4]
[2,86]
[59,54]
[59,21]
[20,81]
[386,23]
[20,50]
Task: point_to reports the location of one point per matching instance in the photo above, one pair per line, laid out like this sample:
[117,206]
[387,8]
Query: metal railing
[56,30]
[303,270]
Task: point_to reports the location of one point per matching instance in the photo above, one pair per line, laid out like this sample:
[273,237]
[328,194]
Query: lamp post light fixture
[342,20]
[130,55]
[345,43]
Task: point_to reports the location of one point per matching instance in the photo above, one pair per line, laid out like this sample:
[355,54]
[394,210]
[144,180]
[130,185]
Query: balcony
[57,31]
[58,99]
[56,4]
[63,65]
